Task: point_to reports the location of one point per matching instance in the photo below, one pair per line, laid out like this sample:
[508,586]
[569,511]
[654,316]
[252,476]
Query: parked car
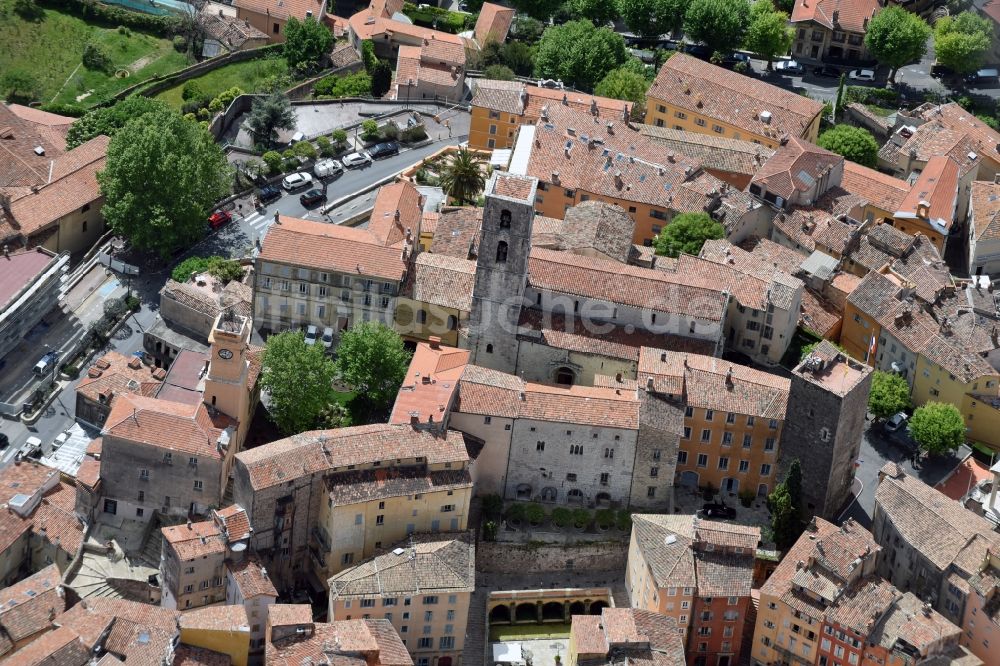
[269,193]
[896,422]
[827,71]
[718,510]
[327,338]
[296,181]
[384,150]
[33,448]
[4,441]
[941,71]
[356,159]
[46,363]
[988,75]
[698,51]
[60,439]
[326,168]
[312,197]
[219,218]
[867,75]
[311,333]
[789,67]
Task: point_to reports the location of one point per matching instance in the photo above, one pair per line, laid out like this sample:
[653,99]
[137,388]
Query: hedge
[114,17]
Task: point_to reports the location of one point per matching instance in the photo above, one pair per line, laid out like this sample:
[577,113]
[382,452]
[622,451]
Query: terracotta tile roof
[712,383]
[795,167]
[386,8]
[188,655]
[525,99]
[320,451]
[134,611]
[443,45]
[283,615]
[21,166]
[689,83]
[283,9]
[753,282]
[89,473]
[881,190]
[251,578]
[511,186]
[437,50]
[116,374]
[195,540]
[928,520]
[400,198]
[444,280]
[343,643]
[161,423]
[692,293]
[21,269]
[942,136]
[430,384]
[357,486]
[810,226]
[985,210]
[862,604]
[28,606]
[714,152]
[493,23]
[230,31]
[721,574]
[938,186]
[781,583]
[216,618]
[56,522]
[60,647]
[638,636]
[671,564]
[728,535]
[970,472]
[330,247]
[427,564]
[457,232]
[587,635]
[72,185]
[39,117]
[909,626]
[598,226]
[12,528]
[845,15]
[986,140]
[235,522]
[818,314]
[136,643]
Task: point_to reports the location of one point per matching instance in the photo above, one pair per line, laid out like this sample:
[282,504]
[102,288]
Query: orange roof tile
[985,210]
[969,473]
[881,190]
[235,522]
[251,578]
[846,15]
[430,384]
[169,425]
[493,23]
[525,99]
[232,617]
[283,615]
[283,9]
[397,209]
[28,606]
[195,540]
[116,374]
[938,186]
[795,167]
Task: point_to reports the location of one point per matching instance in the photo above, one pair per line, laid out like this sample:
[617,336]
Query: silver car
[356,159]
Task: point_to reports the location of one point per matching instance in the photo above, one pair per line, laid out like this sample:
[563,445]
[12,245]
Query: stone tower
[824,424]
[226,381]
[501,270]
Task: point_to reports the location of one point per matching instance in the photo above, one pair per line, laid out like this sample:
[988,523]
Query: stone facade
[824,425]
[661,424]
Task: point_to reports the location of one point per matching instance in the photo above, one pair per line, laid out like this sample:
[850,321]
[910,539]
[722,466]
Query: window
[744,465]
[144,475]
[689,411]
[609,454]
[571,478]
[380,519]
[493,129]
[487,420]
[368,603]
[656,454]
[198,485]
[730,418]
[769,444]
[654,472]
[347,558]
[687,432]
[682,457]
[576,449]
[765,470]
[502,252]
[709,414]
[142,496]
[389,601]
[358,519]
[605,478]
[706,435]
[700,122]
[452,600]
[727,438]
[540,446]
[717,129]
[505,219]
[139,511]
[428,616]
[446,642]
[680,114]
[447,508]
[426,642]
[723,463]
[773,424]
[747,439]
[651,491]
[702,460]
[750,421]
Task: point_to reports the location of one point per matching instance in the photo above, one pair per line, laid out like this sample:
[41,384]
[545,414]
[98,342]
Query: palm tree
[463,178]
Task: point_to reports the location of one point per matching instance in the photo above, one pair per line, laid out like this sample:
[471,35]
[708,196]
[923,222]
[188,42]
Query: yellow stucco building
[223,629]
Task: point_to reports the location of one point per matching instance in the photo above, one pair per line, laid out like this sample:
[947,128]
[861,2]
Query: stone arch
[452,322]
[565,376]
[578,608]
[421,316]
[575,495]
[603,498]
[505,219]
[526,612]
[500,614]
[502,252]
[595,607]
[549,494]
[523,491]
[553,610]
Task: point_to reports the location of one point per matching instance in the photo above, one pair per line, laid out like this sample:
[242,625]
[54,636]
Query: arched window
[489,349]
[452,322]
[505,219]
[502,252]
[565,376]
[421,316]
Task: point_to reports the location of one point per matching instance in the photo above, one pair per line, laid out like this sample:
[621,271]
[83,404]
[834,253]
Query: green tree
[651,18]
[784,517]
[896,37]
[192,90]
[719,24]
[368,57]
[499,73]
[369,129]
[686,233]
[527,29]
[305,149]
[338,136]
[351,85]
[299,381]
[163,174]
[539,9]
[96,58]
[601,12]
[109,120]
[269,114]
[381,78]
[18,86]
[623,83]
[937,427]
[890,394]
[961,42]
[372,360]
[463,177]
[854,143]
[272,159]
[306,42]
[768,34]
[793,482]
[838,107]
[561,516]
[579,54]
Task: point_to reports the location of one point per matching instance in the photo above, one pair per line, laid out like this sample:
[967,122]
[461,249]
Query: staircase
[91,580]
[475,628]
[227,497]
[150,554]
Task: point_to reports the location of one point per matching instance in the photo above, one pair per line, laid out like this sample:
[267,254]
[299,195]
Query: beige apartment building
[422,585]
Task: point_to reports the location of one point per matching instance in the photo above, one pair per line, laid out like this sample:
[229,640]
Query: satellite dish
[239,547]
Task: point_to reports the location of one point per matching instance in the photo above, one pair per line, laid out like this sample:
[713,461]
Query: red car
[219,218]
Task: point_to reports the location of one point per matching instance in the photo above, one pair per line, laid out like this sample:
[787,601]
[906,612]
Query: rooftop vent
[765,117]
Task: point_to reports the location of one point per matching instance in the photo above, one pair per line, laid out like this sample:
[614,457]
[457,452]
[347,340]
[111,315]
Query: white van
[298,136]
[325,168]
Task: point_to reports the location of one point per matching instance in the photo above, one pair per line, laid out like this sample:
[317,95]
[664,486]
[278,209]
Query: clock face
[225,354]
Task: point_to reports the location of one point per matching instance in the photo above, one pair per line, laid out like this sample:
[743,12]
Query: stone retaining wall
[507,558]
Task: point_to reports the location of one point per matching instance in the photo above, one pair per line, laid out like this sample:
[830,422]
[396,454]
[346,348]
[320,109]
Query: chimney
[414,418]
[277,217]
[189,523]
[263,572]
[836,16]
[618,378]
[649,383]
[729,378]
[6,251]
[435,342]
[522,396]
[396,215]
[923,209]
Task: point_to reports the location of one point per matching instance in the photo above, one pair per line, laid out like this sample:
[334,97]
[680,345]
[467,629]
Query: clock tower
[226,382]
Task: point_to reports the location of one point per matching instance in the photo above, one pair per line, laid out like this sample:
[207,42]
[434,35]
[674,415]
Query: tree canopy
[463,176]
[854,143]
[768,34]
[306,42]
[372,360]
[961,42]
[299,381]
[686,233]
[719,24]
[601,12]
[937,427]
[651,18]
[163,174]
[268,115]
[784,503]
[539,9]
[579,54]
[897,37]
[624,83]
[108,120]
[890,394]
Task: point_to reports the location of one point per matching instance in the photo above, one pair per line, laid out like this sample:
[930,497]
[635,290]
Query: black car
[312,197]
[269,193]
[718,510]
[4,441]
[384,149]
[827,70]
[698,51]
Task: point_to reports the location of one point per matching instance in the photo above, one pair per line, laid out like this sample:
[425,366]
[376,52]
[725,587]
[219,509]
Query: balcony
[319,534]
[790,658]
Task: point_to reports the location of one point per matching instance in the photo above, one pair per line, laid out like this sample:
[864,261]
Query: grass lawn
[528,632]
[250,76]
[880,110]
[51,49]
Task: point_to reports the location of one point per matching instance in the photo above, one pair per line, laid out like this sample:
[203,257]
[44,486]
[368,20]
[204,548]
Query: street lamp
[409,82]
